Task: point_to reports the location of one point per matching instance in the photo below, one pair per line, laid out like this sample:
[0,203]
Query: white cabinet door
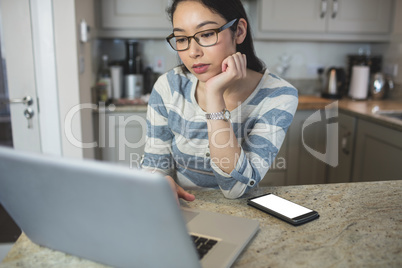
[368,20]
[360,16]
[134,14]
[292,16]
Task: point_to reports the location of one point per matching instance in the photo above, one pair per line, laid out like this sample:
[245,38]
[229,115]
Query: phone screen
[281,206]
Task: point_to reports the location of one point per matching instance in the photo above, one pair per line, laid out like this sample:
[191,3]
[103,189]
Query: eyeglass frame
[217,30]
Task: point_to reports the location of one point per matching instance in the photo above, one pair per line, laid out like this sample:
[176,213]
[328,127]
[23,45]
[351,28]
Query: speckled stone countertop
[360,225]
[365,109]
[306,102]
[369,110]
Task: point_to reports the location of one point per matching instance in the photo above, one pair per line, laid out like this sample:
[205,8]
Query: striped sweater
[177,134]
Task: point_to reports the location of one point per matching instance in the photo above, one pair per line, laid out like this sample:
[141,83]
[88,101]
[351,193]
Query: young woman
[219,119]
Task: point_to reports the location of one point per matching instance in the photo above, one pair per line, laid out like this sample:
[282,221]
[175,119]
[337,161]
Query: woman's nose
[194,49]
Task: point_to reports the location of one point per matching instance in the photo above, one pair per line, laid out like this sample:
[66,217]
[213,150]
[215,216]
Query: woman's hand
[179,192]
[234,68]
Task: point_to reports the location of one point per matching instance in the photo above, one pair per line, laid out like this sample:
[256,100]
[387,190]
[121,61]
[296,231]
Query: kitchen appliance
[358,89]
[134,86]
[133,78]
[117,81]
[372,61]
[104,78]
[380,85]
[150,78]
[335,83]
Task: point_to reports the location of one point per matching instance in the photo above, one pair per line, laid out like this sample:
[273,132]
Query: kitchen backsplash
[295,61]
[302,58]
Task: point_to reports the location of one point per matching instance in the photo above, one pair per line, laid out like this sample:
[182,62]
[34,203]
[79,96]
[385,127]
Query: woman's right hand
[179,191]
[234,68]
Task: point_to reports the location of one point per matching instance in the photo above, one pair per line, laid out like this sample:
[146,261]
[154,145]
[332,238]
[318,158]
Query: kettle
[380,86]
[335,84]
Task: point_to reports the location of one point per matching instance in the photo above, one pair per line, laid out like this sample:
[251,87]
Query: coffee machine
[133,74]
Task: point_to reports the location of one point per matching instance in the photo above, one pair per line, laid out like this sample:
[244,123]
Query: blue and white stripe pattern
[177,135]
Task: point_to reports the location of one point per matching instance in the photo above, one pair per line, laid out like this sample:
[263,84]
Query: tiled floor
[4,249]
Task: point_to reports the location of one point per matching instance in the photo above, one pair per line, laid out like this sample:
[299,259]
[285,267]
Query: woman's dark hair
[229,10]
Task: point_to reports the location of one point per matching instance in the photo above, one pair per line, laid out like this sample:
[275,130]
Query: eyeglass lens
[204,38]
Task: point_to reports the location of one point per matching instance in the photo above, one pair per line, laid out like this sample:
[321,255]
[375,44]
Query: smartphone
[283,209]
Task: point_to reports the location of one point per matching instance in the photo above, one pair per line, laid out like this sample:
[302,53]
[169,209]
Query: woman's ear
[241,32]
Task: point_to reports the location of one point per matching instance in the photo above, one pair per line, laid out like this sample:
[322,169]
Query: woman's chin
[204,77]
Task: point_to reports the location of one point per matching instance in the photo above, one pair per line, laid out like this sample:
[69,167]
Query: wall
[84,10]
[393,53]
[69,90]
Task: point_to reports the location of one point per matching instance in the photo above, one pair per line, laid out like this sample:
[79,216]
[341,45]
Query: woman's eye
[181,40]
[207,34]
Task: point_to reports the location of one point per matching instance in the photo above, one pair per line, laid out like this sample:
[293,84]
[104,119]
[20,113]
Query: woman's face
[191,17]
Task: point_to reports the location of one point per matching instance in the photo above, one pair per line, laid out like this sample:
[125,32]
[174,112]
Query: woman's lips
[200,68]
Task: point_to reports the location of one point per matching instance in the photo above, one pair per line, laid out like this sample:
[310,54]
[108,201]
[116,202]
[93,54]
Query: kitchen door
[26,47]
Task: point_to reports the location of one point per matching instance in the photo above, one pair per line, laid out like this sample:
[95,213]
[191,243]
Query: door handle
[323,8]
[27,100]
[335,8]
[28,113]
[345,143]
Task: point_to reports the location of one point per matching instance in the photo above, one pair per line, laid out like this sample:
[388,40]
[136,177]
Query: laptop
[113,215]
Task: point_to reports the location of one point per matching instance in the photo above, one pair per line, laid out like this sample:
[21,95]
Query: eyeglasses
[205,38]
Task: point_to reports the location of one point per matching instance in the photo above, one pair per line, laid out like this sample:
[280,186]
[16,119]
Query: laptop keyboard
[203,244]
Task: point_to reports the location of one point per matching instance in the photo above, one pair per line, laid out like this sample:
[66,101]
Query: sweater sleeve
[157,153]
[265,135]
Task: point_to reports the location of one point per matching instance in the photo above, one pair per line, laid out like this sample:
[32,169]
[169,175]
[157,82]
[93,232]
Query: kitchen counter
[310,102]
[359,226]
[306,102]
[366,109]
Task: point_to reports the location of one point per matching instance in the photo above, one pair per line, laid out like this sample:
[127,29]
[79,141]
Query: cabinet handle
[345,143]
[324,5]
[335,6]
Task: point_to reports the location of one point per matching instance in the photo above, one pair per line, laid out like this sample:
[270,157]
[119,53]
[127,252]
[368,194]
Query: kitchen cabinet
[133,19]
[378,153]
[303,167]
[349,20]
[277,172]
[294,164]
[122,137]
[346,139]
[312,20]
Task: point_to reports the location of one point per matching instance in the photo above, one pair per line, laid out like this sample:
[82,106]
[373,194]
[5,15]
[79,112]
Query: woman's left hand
[234,68]
[178,191]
